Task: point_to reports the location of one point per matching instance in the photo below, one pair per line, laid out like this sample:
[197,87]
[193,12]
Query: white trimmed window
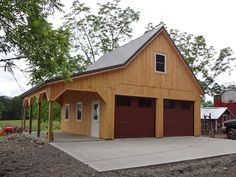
[66,111]
[79,111]
[160,63]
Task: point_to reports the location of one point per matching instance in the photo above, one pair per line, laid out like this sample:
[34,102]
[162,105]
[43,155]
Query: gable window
[160,63]
[66,111]
[79,111]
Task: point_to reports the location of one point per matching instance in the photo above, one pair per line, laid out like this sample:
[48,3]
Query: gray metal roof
[215,112]
[116,58]
[124,53]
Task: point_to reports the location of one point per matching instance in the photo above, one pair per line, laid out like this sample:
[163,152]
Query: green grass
[56,124]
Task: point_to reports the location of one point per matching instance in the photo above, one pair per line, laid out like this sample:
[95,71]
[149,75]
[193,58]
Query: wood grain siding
[137,79]
[72,125]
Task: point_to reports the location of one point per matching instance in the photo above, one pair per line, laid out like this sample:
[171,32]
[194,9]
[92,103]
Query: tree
[2,109]
[204,61]
[25,34]
[10,108]
[44,111]
[207,104]
[95,34]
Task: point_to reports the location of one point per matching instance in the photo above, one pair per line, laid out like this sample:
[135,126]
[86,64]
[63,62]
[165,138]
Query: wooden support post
[197,117]
[204,124]
[216,126]
[159,117]
[30,119]
[39,119]
[50,121]
[24,118]
[211,126]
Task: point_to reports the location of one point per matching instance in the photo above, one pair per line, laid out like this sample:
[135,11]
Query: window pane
[123,101]
[79,111]
[66,111]
[185,105]
[160,67]
[95,111]
[169,104]
[160,58]
[160,63]
[146,103]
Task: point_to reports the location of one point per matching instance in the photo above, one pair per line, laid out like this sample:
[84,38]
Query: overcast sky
[215,20]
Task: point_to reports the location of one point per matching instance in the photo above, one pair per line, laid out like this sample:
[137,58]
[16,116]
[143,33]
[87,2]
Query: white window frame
[65,107]
[155,69]
[79,120]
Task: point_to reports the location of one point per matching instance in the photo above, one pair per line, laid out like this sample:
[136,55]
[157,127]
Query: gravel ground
[23,156]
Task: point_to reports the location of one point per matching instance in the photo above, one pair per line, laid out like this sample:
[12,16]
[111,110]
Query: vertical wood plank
[50,122]
[111,116]
[159,117]
[197,118]
[39,119]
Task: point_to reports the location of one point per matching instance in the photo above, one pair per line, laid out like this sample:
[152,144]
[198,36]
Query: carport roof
[215,112]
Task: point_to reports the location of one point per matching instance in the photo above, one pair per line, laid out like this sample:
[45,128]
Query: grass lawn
[56,124]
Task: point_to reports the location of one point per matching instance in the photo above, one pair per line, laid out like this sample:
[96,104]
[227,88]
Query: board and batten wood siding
[138,78]
[72,125]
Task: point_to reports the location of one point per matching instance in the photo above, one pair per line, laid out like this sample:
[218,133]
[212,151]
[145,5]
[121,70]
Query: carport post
[50,122]
[30,118]
[216,125]
[204,124]
[24,117]
[212,126]
[39,119]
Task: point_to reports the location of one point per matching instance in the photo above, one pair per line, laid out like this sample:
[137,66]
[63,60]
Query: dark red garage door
[134,117]
[178,118]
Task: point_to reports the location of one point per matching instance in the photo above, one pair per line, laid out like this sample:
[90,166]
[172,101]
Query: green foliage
[2,109]
[10,108]
[203,60]
[26,34]
[93,34]
[205,103]
[44,111]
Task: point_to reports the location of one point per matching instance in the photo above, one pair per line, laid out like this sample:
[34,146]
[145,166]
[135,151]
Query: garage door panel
[122,132]
[142,131]
[178,118]
[135,120]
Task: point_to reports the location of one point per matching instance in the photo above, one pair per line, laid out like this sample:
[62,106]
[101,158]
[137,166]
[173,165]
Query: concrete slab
[66,137]
[138,152]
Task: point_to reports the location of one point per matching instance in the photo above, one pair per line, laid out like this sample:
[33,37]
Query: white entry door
[95,119]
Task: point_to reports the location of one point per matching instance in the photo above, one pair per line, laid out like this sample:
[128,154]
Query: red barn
[218,103]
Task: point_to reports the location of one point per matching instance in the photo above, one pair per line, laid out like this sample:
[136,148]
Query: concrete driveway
[128,153]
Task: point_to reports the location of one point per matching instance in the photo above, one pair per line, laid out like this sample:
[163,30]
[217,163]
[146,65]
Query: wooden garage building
[141,89]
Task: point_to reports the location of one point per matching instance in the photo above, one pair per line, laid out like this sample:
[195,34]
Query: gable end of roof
[118,58]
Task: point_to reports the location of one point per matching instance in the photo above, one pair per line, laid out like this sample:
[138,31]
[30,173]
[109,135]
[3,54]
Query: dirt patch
[21,155]
[25,156]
